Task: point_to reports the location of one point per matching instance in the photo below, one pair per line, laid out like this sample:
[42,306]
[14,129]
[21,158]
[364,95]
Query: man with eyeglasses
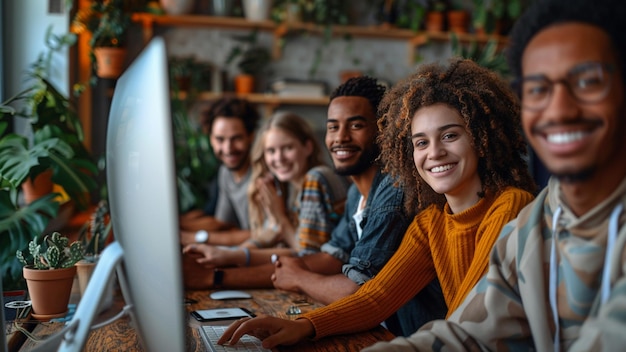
[557,275]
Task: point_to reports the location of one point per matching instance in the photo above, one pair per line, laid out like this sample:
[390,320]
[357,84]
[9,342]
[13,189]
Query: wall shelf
[413,39]
[269,101]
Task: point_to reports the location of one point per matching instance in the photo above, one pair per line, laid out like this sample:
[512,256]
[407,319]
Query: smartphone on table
[217,314]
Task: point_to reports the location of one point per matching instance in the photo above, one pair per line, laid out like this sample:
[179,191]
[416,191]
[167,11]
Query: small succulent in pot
[94,235]
[54,252]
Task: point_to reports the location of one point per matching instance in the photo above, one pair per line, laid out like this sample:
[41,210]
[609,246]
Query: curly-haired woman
[451,135]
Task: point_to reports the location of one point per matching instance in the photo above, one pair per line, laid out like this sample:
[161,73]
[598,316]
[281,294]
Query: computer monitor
[141,180]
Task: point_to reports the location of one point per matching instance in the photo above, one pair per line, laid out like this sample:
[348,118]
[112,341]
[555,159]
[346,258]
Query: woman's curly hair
[491,113]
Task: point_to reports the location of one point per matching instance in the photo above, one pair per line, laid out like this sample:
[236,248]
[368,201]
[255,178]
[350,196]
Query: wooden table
[120,336]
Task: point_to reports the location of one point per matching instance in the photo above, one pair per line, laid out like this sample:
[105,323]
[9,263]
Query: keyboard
[211,333]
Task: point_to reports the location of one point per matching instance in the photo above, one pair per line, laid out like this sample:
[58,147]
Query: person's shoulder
[386,196]
[510,200]
[514,193]
[321,172]
[387,185]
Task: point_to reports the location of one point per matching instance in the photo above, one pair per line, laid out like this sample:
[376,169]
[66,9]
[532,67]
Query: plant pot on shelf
[257,10]
[177,7]
[110,61]
[458,21]
[244,83]
[435,21]
[35,189]
[347,74]
[49,291]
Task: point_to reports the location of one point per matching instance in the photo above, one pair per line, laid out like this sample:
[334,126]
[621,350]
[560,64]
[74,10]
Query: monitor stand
[74,335]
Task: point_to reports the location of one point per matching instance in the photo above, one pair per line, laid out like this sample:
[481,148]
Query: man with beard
[367,235]
[230,123]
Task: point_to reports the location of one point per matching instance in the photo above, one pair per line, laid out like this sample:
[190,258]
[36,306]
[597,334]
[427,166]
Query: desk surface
[120,336]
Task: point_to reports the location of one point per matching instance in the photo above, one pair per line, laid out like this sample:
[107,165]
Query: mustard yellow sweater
[453,247]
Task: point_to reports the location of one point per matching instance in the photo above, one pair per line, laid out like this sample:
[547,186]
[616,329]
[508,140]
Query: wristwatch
[218,278]
[202,236]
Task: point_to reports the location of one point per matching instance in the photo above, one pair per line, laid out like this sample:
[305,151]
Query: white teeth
[562,138]
[441,168]
[342,152]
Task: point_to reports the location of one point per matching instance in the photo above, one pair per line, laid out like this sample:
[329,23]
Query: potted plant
[181,71]
[251,60]
[411,14]
[107,21]
[49,272]
[458,17]
[56,145]
[491,16]
[94,236]
[487,56]
[435,16]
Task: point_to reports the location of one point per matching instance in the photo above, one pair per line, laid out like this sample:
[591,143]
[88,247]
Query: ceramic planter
[435,21]
[257,10]
[84,270]
[177,7]
[244,84]
[110,61]
[49,291]
[41,186]
[458,21]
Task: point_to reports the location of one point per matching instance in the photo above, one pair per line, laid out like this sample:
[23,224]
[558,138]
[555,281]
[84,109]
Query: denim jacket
[384,223]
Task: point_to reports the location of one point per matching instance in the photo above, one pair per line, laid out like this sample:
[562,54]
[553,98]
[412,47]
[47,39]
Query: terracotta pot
[84,270]
[347,74]
[110,61]
[244,84]
[41,186]
[458,21]
[435,21]
[49,291]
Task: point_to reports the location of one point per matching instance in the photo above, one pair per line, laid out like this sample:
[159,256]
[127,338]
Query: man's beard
[243,162]
[365,162]
[573,177]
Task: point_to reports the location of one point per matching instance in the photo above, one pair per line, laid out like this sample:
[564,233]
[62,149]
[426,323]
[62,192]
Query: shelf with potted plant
[280,30]
[251,60]
[108,23]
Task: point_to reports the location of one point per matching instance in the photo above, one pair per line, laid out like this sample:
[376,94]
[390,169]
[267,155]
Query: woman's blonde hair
[299,128]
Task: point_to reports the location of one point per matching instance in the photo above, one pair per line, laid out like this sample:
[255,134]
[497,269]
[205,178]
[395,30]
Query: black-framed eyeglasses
[588,82]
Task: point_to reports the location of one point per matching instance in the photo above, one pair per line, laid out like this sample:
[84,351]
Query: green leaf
[17,160]
[53,257]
